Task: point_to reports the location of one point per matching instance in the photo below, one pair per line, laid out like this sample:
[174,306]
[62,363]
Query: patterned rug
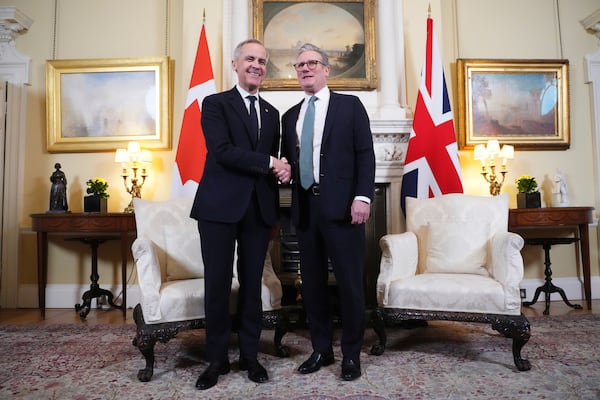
[445,360]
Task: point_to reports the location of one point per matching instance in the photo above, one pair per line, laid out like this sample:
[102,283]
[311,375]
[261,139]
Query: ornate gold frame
[489,112]
[128,71]
[366,82]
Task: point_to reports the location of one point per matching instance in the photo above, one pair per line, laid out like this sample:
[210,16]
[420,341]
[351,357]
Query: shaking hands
[281,169]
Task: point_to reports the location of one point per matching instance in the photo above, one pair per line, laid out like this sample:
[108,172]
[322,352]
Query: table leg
[124,253]
[585,262]
[42,261]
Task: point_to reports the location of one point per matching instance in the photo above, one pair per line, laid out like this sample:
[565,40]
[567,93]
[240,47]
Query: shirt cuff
[363,198]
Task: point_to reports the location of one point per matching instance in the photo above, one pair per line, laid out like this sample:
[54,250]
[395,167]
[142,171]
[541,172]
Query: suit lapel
[332,110]
[239,105]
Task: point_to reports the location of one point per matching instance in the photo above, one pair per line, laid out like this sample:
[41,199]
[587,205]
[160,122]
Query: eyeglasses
[312,64]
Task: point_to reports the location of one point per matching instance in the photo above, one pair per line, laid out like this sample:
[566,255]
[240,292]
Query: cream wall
[136,28]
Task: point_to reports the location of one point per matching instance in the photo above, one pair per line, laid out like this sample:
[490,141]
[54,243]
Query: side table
[557,217]
[80,224]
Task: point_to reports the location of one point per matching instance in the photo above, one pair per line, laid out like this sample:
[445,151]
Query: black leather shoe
[256,372]
[350,369]
[210,376]
[315,362]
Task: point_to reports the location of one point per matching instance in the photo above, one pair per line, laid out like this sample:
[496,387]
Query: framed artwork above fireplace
[345,29]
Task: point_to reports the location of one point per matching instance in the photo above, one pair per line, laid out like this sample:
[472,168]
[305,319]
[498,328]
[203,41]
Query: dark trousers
[345,246]
[218,242]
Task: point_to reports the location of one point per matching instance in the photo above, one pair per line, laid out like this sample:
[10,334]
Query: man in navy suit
[237,201]
[330,206]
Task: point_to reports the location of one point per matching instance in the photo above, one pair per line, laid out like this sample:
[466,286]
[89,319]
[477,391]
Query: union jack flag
[431,167]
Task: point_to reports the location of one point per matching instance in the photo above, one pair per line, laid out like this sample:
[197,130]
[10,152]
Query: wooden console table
[80,224]
[558,217]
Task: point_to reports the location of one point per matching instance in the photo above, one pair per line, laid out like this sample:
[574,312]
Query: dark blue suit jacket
[347,161]
[236,165]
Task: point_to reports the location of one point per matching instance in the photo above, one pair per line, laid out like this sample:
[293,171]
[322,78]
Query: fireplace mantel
[390,140]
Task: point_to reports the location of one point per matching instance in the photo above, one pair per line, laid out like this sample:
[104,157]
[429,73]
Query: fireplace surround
[390,139]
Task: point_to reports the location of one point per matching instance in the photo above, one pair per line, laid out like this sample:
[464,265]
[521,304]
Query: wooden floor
[98,316]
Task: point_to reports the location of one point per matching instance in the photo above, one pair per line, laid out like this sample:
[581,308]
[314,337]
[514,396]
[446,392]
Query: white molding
[592,23]
[13,173]
[15,69]
[573,287]
[67,295]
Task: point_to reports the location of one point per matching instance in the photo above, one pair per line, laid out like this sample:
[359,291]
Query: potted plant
[528,196]
[98,195]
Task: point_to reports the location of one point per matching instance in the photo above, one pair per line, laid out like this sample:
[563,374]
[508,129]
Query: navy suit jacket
[347,159]
[236,166]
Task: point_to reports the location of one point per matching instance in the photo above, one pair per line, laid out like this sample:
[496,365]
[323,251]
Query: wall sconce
[488,154]
[136,159]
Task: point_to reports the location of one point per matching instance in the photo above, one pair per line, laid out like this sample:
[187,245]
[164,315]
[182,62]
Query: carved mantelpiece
[390,141]
[592,23]
[14,67]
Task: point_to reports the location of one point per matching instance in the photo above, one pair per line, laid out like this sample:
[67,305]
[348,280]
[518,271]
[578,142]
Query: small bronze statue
[58,191]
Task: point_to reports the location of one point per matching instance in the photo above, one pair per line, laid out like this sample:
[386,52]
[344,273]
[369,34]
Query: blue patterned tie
[306,145]
[253,117]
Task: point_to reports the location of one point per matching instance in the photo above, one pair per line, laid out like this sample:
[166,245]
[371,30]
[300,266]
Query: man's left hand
[360,212]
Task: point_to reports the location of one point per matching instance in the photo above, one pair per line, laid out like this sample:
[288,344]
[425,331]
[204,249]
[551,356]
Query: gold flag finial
[429,11]
[203,15]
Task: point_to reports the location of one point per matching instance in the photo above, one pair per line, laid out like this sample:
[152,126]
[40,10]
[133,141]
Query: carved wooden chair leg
[280,349]
[278,321]
[146,344]
[379,328]
[519,330]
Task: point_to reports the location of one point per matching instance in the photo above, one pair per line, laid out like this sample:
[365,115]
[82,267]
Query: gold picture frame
[524,103]
[345,29]
[101,104]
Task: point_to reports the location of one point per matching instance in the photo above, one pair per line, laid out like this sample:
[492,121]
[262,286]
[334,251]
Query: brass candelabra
[487,154]
[137,160]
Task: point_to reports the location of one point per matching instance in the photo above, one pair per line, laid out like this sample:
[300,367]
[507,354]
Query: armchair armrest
[506,265]
[399,258]
[149,277]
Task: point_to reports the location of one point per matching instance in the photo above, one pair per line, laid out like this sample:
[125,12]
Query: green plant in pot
[98,195]
[528,196]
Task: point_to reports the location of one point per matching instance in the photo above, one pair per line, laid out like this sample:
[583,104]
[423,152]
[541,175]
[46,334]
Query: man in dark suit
[330,204]
[237,201]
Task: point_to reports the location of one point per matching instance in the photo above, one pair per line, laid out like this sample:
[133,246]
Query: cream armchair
[456,261]
[171,279]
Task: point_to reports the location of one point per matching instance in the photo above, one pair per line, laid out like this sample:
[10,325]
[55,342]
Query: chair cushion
[457,247]
[463,215]
[169,226]
[184,300]
[449,292]
[184,253]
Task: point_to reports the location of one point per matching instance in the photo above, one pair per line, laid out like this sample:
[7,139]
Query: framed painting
[520,102]
[345,29]
[101,104]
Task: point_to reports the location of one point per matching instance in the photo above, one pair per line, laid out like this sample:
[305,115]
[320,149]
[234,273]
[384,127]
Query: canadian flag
[431,167]
[191,148]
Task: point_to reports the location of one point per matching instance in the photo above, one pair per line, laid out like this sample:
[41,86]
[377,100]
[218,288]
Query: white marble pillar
[390,61]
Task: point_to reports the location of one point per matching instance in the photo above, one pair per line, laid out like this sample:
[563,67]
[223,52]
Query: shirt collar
[322,95]
[244,93]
